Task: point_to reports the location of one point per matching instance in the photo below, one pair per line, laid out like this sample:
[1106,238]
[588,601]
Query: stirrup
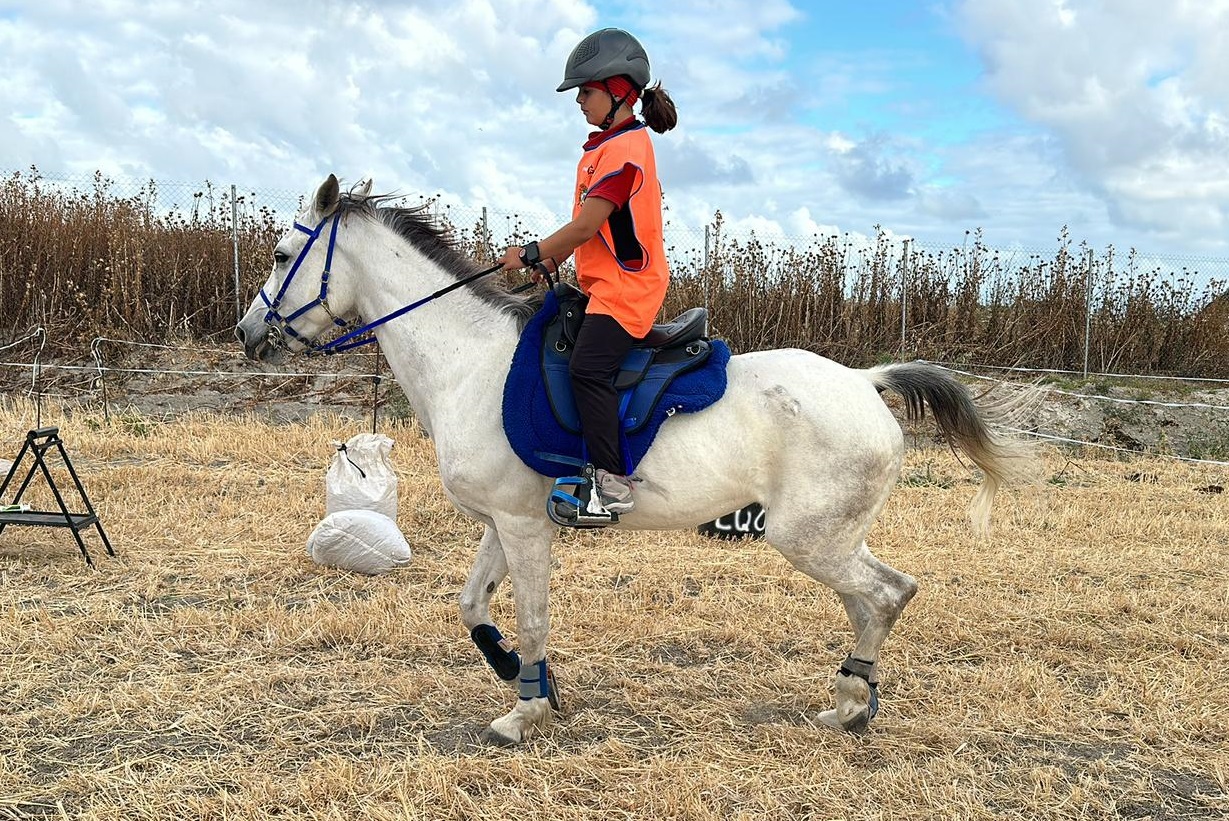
[582,507]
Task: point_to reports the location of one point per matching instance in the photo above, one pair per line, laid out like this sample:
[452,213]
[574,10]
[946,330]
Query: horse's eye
[280,257]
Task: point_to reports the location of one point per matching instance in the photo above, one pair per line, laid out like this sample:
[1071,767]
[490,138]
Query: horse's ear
[362,188]
[328,196]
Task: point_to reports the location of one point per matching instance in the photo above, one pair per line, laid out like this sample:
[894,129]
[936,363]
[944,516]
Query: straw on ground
[1069,667]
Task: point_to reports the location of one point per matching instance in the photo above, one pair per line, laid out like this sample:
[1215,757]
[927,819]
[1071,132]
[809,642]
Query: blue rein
[279,325]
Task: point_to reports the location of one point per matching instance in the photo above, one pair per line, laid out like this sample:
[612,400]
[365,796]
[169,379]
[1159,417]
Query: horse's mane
[421,230]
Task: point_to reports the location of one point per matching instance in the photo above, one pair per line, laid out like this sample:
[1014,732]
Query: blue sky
[929,119]
[921,78]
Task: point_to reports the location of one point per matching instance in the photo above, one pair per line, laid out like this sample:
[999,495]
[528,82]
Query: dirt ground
[1068,668]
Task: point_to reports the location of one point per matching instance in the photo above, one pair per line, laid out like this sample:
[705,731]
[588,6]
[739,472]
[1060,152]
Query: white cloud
[800,224]
[961,207]
[839,143]
[871,170]
[1134,93]
[1125,114]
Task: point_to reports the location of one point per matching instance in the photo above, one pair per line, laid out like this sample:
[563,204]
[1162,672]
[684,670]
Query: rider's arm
[560,244]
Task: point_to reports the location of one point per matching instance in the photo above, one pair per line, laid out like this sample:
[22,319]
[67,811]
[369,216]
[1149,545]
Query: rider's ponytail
[658,109]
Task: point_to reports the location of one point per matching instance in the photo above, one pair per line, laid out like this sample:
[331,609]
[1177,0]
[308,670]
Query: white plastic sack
[361,476]
[364,541]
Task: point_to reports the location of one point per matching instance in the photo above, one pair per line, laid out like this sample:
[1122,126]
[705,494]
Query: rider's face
[594,104]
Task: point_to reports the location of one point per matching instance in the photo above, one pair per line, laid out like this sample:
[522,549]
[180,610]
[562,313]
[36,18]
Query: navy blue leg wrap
[497,652]
[534,682]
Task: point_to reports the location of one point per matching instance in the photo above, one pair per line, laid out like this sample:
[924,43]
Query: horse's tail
[966,423]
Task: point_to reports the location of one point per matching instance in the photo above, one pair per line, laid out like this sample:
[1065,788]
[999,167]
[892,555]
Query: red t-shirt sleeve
[617,187]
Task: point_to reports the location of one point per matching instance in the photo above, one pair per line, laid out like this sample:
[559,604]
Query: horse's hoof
[858,722]
[495,738]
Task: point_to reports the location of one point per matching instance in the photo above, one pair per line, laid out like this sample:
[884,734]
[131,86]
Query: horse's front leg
[526,548]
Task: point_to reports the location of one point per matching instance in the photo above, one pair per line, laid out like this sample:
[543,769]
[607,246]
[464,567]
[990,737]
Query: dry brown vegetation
[1070,667]
[90,263]
[968,304]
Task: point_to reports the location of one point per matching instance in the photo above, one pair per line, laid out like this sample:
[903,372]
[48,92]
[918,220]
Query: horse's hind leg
[874,596]
[872,617]
[871,626]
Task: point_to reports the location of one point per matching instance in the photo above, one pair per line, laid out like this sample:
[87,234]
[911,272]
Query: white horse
[817,447]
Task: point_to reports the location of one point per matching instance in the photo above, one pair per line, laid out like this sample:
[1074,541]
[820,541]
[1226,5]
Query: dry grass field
[1073,666]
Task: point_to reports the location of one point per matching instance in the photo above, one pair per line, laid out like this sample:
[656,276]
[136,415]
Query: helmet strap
[615,104]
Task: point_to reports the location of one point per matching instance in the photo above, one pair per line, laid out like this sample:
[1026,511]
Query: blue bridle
[279,326]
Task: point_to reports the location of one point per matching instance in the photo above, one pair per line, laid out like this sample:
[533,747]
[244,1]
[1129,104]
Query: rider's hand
[512,258]
[542,270]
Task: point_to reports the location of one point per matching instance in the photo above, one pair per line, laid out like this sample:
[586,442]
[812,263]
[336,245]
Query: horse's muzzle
[260,342]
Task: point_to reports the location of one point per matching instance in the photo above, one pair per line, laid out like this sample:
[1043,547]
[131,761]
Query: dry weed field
[89,262]
[1072,666]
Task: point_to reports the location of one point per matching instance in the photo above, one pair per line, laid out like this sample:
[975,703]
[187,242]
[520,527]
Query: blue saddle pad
[535,433]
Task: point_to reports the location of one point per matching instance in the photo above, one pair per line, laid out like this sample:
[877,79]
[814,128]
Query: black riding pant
[600,348]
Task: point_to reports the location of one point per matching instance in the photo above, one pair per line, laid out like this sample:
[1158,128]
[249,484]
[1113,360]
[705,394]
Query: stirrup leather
[581,506]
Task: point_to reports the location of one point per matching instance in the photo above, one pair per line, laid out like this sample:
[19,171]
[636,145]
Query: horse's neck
[449,356]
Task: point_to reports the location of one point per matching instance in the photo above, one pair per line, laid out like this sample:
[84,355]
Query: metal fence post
[904,293]
[704,270]
[36,387]
[486,234]
[1087,310]
[375,391]
[96,352]
[234,235]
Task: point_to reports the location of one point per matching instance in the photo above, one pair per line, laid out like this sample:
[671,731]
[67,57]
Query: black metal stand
[38,442]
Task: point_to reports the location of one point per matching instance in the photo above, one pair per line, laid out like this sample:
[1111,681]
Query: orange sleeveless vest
[623,267]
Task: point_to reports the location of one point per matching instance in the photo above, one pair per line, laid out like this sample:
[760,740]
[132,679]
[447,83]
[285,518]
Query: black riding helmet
[604,54]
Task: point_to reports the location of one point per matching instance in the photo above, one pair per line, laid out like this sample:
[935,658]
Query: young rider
[615,234]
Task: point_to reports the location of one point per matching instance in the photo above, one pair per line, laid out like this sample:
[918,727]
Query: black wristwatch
[530,255]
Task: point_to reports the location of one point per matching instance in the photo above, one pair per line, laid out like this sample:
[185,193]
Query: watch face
[530,254]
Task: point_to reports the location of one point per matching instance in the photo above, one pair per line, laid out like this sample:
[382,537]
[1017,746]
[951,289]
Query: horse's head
[302,298]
